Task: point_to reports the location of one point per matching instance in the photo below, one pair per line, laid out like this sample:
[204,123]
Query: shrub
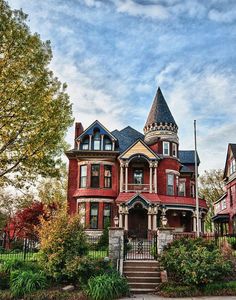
[63,243]
[107,287]
[232,241]
[104,238]
[195,262]
[26,282]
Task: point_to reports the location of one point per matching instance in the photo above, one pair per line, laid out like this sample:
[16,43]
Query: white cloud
[155,11]
[227,16]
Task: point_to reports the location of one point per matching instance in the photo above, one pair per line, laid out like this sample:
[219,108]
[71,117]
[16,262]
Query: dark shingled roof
[160,111]
[187,157]
[127,137]
[185,169]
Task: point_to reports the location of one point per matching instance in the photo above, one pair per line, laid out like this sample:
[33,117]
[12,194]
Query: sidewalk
[152,297]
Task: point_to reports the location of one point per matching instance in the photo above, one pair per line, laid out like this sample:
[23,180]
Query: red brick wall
[72,185]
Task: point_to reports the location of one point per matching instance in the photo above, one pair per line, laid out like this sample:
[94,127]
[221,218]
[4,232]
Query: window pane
[107,144]
[96,145]
[170,184]
[181,189]
[83,176]
[94,215]
[107,176]
[138,176]
[83,170]
[166,147]
[95,176]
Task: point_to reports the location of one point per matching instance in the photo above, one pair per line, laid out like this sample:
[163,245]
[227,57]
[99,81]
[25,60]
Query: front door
[138,222]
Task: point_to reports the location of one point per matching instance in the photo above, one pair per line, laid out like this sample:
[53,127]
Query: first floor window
[107,176]
[83,176]
[94,215]
[166,148]
[95,174]
[181,190]
[106,215]
[170,184]
[82,211]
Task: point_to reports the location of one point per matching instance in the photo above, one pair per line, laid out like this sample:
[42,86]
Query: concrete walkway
[152,297]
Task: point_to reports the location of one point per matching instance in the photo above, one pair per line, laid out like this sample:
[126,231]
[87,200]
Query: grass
[97,254]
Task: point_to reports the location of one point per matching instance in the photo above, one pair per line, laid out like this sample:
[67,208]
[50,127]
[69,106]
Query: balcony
[132,187]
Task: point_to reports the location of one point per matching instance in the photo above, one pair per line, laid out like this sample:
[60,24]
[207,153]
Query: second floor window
[170,184]
[138,176]
[192,190]
[230,196]
[83,176]
[95,176]
[181,190]
[166,148]
[85,144]
[107,176]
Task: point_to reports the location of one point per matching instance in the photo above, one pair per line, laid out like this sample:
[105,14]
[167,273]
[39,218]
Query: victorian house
[225,207]
[144,180]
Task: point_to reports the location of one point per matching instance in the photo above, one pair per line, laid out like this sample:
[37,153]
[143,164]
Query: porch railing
[132,187]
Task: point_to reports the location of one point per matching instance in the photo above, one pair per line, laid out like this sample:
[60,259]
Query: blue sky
[114,54]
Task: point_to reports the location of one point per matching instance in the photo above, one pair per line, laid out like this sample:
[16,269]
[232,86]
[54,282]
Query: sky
[113,54]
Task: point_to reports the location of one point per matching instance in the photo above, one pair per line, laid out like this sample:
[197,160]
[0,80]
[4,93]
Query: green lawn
[97,254]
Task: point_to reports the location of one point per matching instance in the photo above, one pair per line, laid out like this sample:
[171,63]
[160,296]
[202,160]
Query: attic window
[107,144]
[96,141]
[232,166]
[85,144]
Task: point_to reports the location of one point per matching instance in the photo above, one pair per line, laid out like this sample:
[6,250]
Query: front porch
[138,217]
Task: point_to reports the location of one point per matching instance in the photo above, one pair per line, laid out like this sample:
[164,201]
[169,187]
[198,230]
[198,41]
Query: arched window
[96,141]
[107,144]
[85,144]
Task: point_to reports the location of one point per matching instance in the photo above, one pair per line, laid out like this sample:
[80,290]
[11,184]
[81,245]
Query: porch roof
[221,218]
[161,199]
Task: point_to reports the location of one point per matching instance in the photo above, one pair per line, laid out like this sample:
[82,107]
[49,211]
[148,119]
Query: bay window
[95,176]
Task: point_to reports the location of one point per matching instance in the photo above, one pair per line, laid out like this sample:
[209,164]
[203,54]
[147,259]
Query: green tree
[211,188]
[35,111]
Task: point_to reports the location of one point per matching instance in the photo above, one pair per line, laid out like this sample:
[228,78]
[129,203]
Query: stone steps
[142,276]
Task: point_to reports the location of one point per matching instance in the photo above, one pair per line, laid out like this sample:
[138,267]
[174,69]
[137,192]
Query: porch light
[184,213]
[174,214]
[116,221]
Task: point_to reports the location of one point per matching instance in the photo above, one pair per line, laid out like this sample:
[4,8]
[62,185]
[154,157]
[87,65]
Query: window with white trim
[223,204]
[170,184]
[232,166]
[94,215]
[85,144]
[83,176]
[181,188]
[166,148]
[174,150]
[97,141]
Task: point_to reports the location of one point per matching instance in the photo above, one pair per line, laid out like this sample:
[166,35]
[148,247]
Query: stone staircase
[143,275]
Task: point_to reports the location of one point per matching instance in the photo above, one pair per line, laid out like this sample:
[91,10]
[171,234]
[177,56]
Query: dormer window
[174,150]
[85,144]
[232,166]
[96,141]
[107,144]
[166,148]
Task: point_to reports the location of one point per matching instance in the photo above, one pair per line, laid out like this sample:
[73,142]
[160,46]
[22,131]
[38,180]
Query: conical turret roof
[160,112]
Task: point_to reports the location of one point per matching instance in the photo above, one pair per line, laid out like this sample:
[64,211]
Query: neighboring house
[225,207]
[142,179]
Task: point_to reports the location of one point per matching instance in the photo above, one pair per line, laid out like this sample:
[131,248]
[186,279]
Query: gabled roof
[139,147]
[127,137]
[188,157]
[231,147]
[160,112]
[103,130]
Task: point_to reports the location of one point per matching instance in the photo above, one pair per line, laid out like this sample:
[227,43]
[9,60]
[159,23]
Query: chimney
[78,130]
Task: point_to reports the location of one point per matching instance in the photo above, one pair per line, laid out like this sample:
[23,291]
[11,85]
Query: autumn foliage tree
[35,111]
[211,189]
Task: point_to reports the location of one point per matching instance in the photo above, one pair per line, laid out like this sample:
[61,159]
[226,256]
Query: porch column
[113,145]
[149,218]
[154,218]
[126,220]
[155,178]
[78,144]
[150,178]
[194,222]
[90,142]
[121,177]
[102,141]
[126,178]
[120,220]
